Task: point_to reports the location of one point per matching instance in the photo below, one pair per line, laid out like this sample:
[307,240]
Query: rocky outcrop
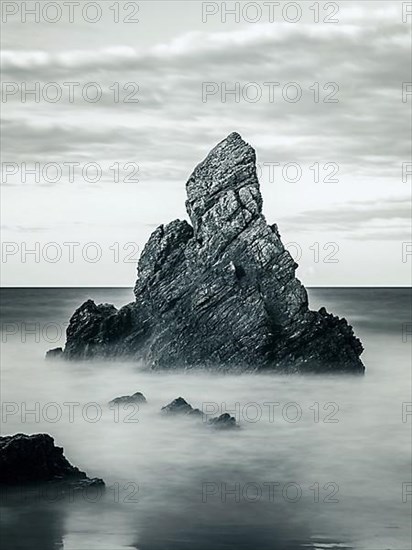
[135,399]
[34,458]
[220,292]
[181,407]
[223,422]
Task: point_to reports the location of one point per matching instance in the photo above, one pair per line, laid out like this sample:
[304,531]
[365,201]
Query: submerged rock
[35,458]
[220,292]
[223,422]
[136,398]
[181,407]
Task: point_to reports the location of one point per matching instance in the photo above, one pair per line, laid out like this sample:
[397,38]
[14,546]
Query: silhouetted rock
[221,292]
[35,458]
[54,353]
[181,407]
[223,422]
[136,398]
[178,406]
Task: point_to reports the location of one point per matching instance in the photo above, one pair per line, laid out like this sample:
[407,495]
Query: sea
[317,463]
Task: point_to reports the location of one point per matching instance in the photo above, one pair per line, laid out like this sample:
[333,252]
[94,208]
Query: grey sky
[361,61]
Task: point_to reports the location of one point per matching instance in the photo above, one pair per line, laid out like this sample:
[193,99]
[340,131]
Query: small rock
[223,422]
[127,399]
[178,406]
[54,353]
[181,407]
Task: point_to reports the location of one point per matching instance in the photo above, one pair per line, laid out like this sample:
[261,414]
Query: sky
[125,107]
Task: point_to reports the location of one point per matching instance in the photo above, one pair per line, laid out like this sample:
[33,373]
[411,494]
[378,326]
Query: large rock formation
[221,292]
[34,458]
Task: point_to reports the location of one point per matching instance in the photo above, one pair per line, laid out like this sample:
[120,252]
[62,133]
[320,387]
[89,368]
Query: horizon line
[131,287]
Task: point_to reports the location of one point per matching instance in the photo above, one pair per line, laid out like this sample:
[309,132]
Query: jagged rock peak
[224,188]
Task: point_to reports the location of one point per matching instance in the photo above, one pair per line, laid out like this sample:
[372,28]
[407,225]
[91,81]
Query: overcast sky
[358,213]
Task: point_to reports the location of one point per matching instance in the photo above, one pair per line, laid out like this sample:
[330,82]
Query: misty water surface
[318,462]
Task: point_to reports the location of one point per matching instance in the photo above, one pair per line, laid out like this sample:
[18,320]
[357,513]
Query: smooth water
[318,463]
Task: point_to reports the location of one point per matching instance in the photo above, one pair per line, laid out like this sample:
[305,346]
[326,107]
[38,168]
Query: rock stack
[220,292]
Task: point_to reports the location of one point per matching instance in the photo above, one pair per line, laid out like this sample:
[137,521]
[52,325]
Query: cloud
[367,132]
[364,59]
[368,220]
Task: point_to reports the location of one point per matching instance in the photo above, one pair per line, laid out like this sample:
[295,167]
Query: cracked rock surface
[220,292]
